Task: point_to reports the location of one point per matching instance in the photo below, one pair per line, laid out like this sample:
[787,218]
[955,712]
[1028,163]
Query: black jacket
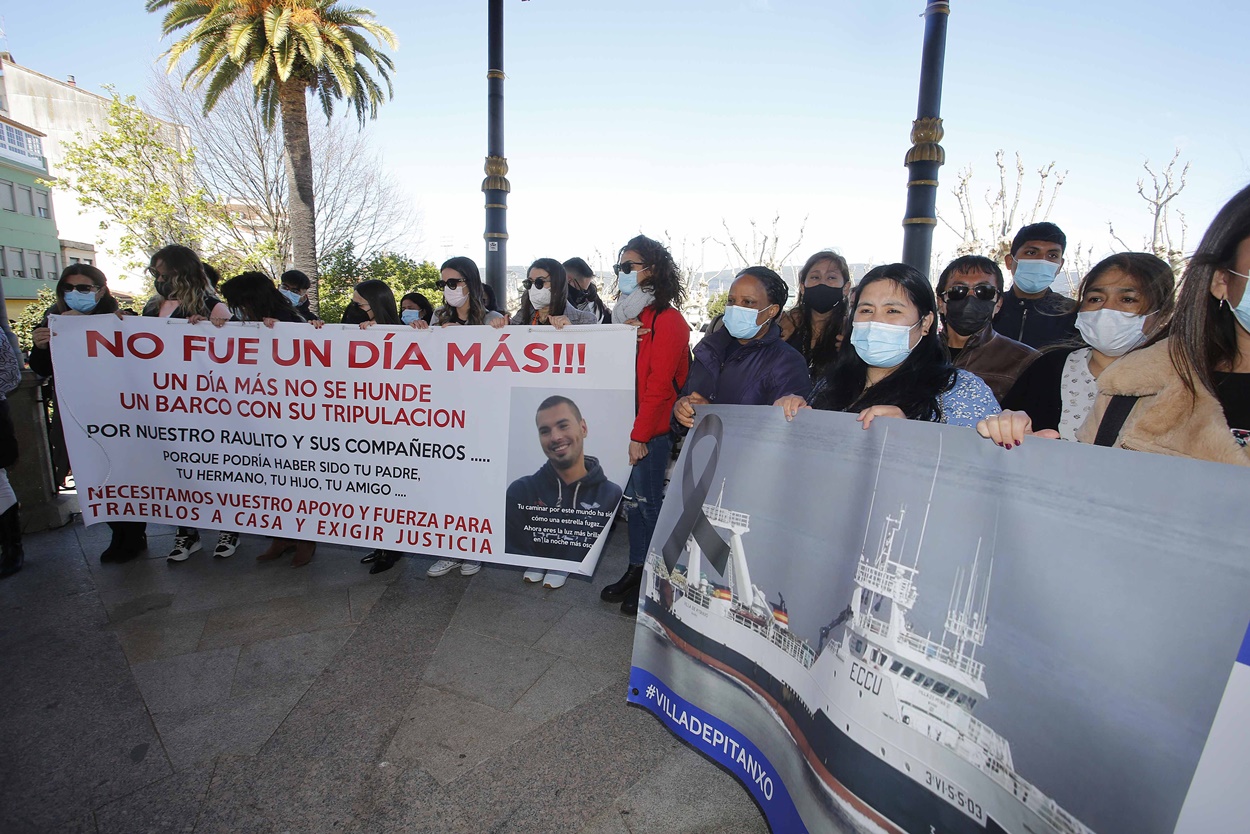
[1037,322]
[546,517]
[1038,390]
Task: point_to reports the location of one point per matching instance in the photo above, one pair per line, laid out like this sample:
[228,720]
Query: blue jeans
[643,496]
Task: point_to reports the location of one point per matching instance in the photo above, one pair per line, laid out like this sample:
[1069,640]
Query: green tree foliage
[341,271]
[716,304]
[30,317]
[136,173]
[285,49]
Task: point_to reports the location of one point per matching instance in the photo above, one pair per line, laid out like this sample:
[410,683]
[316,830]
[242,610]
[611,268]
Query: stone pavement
[235,696]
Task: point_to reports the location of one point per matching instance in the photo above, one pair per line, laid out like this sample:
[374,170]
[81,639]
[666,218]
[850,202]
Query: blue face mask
[741,321]
[81,302]
[1242,310]
[627,282]
[409,316]
[292,297]
[1034,276]
[882,345]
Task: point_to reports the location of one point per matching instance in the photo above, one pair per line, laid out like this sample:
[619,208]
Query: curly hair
[188,282]
[665,282]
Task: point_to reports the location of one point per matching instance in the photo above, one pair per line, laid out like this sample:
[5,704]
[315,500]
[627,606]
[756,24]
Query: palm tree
[286,48]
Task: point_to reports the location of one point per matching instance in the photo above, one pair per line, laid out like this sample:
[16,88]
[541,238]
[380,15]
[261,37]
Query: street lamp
[496,186]
[926,155]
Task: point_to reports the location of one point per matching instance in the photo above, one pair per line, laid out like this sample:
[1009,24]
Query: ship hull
[888,798]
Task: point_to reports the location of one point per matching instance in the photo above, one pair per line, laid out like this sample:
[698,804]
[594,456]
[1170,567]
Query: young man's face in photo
[562,435]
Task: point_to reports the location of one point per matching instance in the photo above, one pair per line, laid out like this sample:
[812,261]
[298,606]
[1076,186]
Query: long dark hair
[665,280]
[106,304]
[381,301]
[825,350]
[559,289]
[1204,329]
[255,295]
[917,384]
[188,281]
[467,270]
[423,305]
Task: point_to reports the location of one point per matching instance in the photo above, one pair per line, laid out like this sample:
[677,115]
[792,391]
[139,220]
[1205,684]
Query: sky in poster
[670,117]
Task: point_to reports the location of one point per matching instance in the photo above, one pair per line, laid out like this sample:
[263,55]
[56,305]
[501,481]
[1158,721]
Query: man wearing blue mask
[294,286]
[1032,312]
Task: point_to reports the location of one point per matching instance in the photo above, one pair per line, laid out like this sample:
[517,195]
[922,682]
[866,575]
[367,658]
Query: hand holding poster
[907,629]
[394,438]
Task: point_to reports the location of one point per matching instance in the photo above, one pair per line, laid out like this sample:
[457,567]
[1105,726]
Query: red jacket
[660,371]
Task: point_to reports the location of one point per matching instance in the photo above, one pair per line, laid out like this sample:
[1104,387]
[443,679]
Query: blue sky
[669,117]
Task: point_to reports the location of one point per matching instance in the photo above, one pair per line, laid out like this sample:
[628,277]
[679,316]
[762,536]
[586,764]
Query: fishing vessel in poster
[882,715]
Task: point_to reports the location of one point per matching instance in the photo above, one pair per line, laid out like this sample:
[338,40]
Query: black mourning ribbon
[694,494]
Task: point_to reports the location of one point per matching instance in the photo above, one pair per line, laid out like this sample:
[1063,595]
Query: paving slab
[515,617]
[276,617]
[169,805]
[564,686]
[189,680]
[488,670]
[448,734]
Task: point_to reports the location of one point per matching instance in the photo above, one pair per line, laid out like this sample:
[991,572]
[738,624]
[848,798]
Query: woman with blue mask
[897,367]
[1189,394]
[81,291]
[746,362]
[415,307]
[1126,301]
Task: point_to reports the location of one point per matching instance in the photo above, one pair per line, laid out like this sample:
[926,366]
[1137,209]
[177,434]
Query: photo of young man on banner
[840,618]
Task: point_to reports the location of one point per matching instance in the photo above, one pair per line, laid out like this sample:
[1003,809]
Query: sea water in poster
[908,629]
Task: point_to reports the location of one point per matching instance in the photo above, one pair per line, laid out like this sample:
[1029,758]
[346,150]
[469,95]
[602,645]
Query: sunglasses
[981,292]
[449,284]
[626,267]
[536,283]
[82,288]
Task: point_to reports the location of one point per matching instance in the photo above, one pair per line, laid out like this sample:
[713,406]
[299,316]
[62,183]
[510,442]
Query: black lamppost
[496,186]
[926,155]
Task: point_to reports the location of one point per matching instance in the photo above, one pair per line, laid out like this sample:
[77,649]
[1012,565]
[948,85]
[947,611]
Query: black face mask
[822,298]
[352,314]
[968,316]
[163,288]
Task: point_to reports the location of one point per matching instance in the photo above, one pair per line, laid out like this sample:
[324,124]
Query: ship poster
[908,629]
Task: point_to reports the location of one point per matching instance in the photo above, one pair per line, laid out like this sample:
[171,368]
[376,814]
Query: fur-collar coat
[1166,419]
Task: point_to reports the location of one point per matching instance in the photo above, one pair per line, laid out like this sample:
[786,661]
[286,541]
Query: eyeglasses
[82,288]
[159,276]
[536,283]
[449,284]
[981,292]
[626,267]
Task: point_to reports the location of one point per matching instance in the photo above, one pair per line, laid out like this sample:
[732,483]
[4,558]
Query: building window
[3,265]
[50,265]
[25,200]
[19,264]
[73,260]
[7,201]
[41,204]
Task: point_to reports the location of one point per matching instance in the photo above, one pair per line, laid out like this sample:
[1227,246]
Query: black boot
[11,553]
[629,605]
[385,560]
[621,588]
[130,538]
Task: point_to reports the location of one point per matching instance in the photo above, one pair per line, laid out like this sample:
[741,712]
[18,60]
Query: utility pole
[926,155]
[496,186]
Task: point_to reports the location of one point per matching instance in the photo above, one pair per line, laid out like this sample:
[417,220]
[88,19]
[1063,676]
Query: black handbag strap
[1113,419]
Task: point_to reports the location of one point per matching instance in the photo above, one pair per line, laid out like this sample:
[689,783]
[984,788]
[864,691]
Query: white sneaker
[442,567]
[533,575]
[184,546]
[227,544]
[469,568]
[555,579]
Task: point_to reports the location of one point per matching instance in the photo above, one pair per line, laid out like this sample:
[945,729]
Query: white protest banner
[909,629]
[389,437]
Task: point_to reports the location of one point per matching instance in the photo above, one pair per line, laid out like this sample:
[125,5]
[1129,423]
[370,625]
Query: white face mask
[540,298]
[456,297]
[1111,332]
